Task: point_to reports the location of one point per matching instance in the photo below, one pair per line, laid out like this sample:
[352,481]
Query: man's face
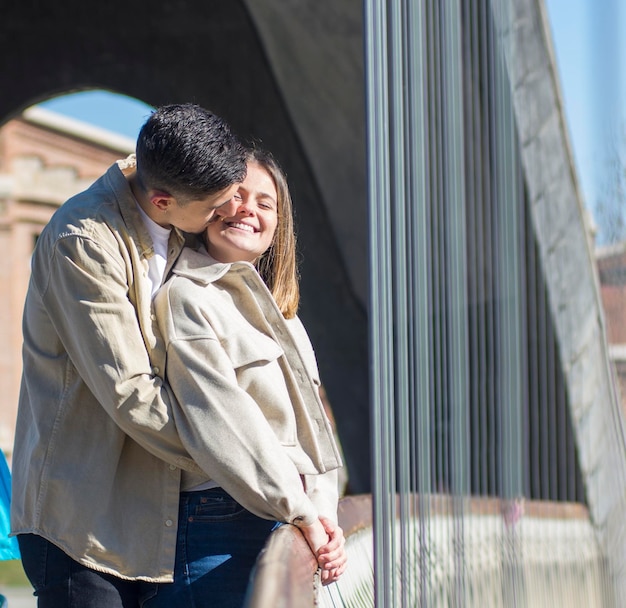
[196,215]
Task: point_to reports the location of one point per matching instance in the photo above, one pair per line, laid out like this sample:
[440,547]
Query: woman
[243,371]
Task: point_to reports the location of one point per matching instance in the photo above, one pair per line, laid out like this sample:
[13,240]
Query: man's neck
[143,199]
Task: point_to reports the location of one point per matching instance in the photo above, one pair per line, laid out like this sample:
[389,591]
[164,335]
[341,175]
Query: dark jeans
[60,582]
[217,545]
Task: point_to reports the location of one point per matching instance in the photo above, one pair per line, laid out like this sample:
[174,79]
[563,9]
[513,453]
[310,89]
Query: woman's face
[247,234]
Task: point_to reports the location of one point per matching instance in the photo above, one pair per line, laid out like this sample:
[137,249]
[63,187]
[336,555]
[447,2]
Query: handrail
[285,574]
[355,513]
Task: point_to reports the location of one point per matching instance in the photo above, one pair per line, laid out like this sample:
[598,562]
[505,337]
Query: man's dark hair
[188,152]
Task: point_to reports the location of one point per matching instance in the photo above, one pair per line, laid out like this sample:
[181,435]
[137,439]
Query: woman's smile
[248,233]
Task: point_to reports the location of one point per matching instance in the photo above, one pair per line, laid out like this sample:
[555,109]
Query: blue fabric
[8,546]
[217,546]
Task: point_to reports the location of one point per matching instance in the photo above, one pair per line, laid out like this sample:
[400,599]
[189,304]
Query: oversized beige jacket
[247,381]
[96,464]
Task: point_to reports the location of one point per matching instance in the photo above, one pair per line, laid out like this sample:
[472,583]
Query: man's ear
[160,199]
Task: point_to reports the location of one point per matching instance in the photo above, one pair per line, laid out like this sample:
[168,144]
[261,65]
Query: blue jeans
[217,545]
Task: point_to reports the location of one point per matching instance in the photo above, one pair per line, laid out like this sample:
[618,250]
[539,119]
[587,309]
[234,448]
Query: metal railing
[540,552]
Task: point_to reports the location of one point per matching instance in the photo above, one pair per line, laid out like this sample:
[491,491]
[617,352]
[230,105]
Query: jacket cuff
[306,515]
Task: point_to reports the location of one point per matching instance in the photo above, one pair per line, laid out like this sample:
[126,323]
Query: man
[97,458]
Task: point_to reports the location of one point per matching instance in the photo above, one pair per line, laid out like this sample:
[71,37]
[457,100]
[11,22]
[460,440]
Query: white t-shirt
[158,262]
[156,268]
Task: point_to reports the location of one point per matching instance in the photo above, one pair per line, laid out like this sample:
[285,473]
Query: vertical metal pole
[381,304]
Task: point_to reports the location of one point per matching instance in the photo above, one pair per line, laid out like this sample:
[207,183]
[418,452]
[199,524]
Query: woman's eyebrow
[266,196]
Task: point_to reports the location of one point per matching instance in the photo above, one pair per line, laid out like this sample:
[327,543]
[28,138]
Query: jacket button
[155,370]
[169,523]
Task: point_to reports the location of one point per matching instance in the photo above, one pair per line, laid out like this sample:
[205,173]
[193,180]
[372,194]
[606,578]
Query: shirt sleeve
[84,291]
[323,490]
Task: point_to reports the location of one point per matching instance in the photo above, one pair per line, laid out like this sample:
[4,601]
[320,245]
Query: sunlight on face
[196,215]
[249,232]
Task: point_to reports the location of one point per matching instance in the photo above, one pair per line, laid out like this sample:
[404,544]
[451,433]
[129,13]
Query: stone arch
[212,53]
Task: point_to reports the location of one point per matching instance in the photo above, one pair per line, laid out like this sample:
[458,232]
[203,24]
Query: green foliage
[12,574]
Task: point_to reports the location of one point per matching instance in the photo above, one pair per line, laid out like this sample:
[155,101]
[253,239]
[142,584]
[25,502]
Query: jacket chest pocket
[249,347]
[263,372]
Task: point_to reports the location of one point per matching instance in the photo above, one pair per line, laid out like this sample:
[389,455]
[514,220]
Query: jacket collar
[199,266]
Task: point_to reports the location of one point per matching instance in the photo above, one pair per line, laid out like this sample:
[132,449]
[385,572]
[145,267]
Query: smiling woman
[243,370]
[249,232]
[105,109]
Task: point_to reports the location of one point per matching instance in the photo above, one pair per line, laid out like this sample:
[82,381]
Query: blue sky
[589,50]
[117,113]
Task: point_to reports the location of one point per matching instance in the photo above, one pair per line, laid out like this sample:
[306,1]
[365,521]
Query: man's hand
[331,557]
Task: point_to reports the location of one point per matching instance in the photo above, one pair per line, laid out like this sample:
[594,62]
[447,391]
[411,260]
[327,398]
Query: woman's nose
[245,207]
[229,208]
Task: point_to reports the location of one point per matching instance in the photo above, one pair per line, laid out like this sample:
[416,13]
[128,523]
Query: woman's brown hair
[277,266]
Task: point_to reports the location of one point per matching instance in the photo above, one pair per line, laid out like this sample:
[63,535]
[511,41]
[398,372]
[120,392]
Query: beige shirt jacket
[97,460]
[247,380]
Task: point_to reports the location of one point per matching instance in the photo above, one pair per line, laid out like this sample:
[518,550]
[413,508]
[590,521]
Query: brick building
[44,159]
[611,263]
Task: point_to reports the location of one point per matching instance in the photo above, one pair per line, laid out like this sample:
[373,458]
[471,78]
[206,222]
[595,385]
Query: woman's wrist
[315,535]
